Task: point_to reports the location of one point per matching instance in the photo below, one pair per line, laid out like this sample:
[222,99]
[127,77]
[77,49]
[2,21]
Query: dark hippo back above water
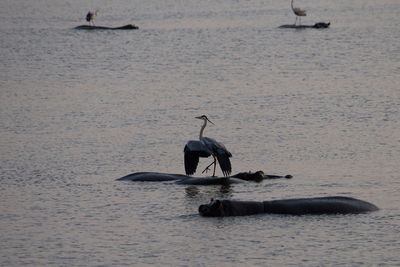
[179,178]
[299,206]
[318,25]
[93,27]
[152,177]
[189,180]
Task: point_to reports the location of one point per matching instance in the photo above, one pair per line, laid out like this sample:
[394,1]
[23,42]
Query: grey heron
[205,147]
[90,16]
[298,12]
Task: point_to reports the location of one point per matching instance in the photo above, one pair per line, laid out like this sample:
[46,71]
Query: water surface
[82,108]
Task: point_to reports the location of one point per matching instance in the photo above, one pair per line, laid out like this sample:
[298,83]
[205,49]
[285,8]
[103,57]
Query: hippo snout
[204,210]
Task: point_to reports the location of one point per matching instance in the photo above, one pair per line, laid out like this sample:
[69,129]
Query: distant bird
[298,12]
[90,16]
[204,148]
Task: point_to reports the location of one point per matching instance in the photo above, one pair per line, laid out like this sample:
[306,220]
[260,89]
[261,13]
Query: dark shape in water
[318,25]
[296,206]
[93,27]
[152,177]
[179,178]
[258,176]
[184,179]
[210,181]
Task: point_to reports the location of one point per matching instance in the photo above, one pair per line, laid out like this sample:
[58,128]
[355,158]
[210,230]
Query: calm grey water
[79,109]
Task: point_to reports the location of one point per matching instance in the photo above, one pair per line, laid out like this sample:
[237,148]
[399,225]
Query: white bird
[204,148]
[90,16]
[298,12]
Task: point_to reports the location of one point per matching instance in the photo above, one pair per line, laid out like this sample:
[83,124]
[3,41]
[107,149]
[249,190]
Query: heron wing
[215,147]
[193,151]
[191,162]
[299,12]
[225,164]
[222,154]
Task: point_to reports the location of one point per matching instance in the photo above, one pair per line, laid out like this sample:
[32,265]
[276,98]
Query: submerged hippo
[318,25]
[93,27]
[210,181]
[179,178]
[152,177]
[258,176]
[297,206]
[184,179]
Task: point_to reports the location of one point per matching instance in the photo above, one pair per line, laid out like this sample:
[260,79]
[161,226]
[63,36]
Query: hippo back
[242,208]
[320,205]
[219,208]
[152,177]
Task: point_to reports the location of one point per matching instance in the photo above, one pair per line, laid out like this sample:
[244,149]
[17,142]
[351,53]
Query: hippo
[210,181]
[318,25]
[258,176]
[184,179]
[179,178]
[93,27]
[296,206]
[152,177]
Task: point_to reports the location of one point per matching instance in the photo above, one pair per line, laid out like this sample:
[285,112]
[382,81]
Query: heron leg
[208,167]
[215,165]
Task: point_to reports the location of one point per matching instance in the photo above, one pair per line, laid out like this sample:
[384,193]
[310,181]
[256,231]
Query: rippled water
[82,108]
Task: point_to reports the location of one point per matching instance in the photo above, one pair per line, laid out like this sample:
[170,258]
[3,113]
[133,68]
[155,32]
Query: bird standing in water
[298,12]
[204,148]
[90,16]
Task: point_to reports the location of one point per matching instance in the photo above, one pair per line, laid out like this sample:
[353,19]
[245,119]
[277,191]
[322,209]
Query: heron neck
[291,4]
[202,129]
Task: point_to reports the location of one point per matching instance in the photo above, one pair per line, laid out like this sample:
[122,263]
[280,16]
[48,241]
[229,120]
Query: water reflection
[196,193]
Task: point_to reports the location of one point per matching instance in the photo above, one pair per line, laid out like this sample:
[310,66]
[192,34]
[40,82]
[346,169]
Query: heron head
[204,118]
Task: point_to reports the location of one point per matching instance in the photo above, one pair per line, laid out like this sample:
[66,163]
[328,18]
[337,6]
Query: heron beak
[201,118]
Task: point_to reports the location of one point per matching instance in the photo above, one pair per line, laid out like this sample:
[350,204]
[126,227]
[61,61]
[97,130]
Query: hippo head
[258,176]
[322,25]
[212,209]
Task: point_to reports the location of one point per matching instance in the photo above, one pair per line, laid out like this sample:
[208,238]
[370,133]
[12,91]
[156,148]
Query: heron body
[203,148]
[90,16]
[298,12]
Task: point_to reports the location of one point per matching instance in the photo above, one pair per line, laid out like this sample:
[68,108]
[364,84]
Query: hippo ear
[216,203]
